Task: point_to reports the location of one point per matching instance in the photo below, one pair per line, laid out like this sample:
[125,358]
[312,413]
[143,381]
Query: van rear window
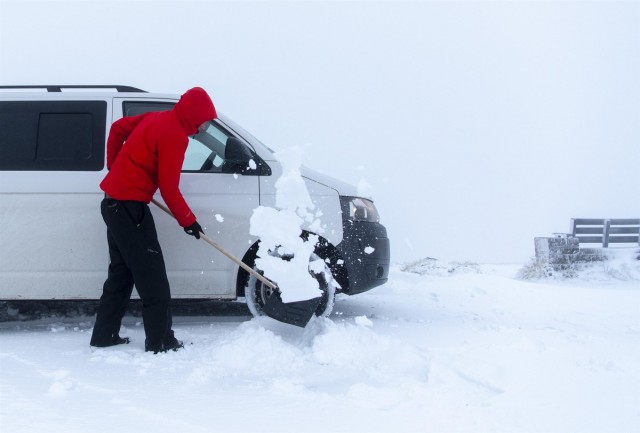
[52,135]
[134,108]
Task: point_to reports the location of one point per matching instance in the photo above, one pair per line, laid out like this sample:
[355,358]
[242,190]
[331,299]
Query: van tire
[256,293]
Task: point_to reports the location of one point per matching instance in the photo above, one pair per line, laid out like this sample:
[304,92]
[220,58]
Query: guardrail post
[605,233]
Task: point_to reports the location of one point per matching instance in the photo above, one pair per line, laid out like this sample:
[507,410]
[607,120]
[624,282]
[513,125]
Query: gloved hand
[194,230]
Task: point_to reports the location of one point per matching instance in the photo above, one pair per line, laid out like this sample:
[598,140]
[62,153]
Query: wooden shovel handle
[223,251]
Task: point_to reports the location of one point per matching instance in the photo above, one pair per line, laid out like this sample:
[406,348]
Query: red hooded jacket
[154,152]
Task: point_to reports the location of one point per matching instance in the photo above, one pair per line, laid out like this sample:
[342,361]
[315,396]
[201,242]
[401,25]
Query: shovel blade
[294,313]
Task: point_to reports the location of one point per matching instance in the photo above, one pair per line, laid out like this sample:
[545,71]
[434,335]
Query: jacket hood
[194,108]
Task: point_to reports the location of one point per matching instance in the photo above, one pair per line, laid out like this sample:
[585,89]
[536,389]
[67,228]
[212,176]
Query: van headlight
[359,209]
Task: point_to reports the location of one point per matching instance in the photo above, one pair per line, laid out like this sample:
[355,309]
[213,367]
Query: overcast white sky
[478,125]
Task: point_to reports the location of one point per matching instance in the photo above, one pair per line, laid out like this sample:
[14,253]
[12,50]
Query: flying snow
[279,230]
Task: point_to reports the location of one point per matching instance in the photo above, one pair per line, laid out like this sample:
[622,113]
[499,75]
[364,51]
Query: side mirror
[236,156]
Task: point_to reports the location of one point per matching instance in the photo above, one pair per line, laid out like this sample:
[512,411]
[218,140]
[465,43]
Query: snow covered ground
[450,347]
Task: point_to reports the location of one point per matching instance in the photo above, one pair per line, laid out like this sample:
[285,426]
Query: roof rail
[58,88]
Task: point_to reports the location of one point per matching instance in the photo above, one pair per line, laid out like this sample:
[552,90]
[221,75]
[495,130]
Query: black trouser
[135,257]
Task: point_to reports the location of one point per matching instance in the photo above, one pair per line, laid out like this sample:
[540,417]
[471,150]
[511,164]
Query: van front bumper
[366,254]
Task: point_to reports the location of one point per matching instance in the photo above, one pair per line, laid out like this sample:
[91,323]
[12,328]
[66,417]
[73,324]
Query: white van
[52,237]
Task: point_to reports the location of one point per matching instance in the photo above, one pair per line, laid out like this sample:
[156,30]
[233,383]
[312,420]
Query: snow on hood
[341,187]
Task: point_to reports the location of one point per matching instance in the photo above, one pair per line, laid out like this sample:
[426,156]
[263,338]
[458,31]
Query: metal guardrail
[605,231]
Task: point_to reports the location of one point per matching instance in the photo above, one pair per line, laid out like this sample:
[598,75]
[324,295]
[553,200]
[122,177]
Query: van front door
[222,194]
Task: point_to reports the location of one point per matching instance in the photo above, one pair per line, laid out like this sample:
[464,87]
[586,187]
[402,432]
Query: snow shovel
[294,313]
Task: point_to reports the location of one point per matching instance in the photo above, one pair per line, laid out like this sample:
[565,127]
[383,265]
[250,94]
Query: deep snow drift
[447,347]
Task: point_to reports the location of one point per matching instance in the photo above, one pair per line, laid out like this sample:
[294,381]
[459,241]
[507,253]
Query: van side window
[206,150]
[214,150]
[52,135]
[134,108]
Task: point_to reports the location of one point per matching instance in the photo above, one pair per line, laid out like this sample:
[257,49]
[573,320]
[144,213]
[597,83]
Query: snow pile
[279,231]
[268,355]
[434,267]
[618,267]
[622,265]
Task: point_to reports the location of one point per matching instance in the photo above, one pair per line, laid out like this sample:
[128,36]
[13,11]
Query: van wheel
[257,293]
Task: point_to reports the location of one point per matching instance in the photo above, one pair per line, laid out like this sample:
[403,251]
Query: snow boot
[171,343]
[113,341]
